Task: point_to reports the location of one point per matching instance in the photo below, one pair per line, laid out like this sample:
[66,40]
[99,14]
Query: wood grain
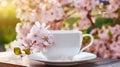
[9,65]
[98,62]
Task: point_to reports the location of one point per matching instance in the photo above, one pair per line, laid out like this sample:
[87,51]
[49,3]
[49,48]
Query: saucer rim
[65,62]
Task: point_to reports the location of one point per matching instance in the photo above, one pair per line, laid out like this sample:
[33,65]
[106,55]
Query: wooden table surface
[98,62]
[8,60]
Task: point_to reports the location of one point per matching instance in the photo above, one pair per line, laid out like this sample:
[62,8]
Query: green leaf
[84,31]
[110,34]
[89,29]
[96,36]
[86,40]
[17,51]
[72,19]
[27,51]
[103,21]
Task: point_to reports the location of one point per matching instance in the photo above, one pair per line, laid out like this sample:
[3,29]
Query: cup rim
[66,31]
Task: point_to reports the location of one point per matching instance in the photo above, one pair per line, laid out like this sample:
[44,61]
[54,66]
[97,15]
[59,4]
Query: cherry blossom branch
[65,17]
[89,17]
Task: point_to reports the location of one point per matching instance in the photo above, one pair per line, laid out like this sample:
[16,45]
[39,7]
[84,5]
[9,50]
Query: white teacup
[67,44]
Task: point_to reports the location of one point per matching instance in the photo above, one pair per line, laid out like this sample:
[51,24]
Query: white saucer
[83,56]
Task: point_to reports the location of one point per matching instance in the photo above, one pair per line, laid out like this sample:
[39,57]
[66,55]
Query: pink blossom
[103,34]
[113,6]
[64,2]
[109,15]
[107,45]
[84,23]
[53,11]
[23,30]
[39,13]
[83,14]
[85,4]
[35,37]
[16,43]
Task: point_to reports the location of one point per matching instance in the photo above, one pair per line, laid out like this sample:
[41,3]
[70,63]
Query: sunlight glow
[3,3]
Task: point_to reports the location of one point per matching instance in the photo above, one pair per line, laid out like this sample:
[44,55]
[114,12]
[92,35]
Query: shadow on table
[78,65]
[98,62]
[81,64]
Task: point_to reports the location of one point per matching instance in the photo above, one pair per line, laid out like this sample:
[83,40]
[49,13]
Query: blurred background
[106,27]
[8,22]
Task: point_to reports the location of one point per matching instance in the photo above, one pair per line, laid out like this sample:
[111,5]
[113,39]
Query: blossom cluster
[39,10]
[31,38]
[107,44]
[54,13]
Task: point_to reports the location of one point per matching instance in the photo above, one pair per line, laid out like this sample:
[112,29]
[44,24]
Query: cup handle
[92,39]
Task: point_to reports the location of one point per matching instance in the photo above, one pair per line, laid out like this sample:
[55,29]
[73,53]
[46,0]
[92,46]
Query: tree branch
[89,17]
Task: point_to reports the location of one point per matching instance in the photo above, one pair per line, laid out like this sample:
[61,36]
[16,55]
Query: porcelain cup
[67,44]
